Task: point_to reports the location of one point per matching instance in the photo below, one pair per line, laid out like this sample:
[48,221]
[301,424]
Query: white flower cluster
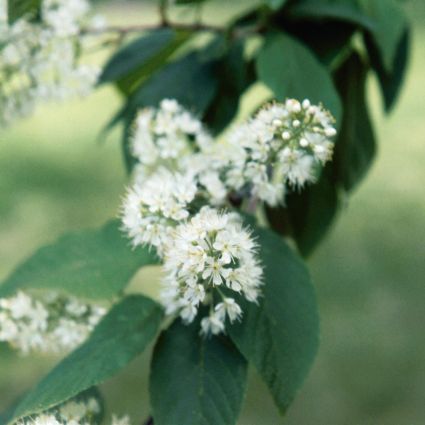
[207,258]
[49,419]
[73,412]
[284,144]
[38,59]
[152,209]
[184,182]
[176,167]
[202,251]
[165,135]
[47,323]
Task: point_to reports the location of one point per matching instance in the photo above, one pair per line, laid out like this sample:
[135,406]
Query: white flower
[215,270]
[73,411]
[228,307]
[284,144]
[212,324]
[150,210]
[164,135]
[209,252]
[297,166]
[46,420]
[125,420]
[92,406]
[215,187]
[64,16]
[19,306]
[46,322]
[75,307]
[69,333]
[8,328]
[39,60]
[181,180]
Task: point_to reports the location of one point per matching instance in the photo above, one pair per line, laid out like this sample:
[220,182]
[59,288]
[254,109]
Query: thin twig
[163,11]
[149,27]
[237,32]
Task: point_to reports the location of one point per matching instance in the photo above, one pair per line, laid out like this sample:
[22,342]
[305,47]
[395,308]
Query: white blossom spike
[276,156]
[205,255]
[47,323]
[39,60]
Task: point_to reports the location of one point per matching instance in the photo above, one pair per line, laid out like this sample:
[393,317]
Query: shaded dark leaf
[328,40]
[280,334]
[196,380]
[290,69]
[235,75]
[390,24]
[133,56]
[20,8]
[345,10]
[312,211]
[188,80]
[89,264]
[355,146]
[390,82]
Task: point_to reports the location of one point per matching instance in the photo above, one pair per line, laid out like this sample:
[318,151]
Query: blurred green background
[55,175]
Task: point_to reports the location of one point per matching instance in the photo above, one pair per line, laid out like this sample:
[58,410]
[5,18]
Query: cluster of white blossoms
[163,136]
[46,323]
[152,209]
[39,58]
[50,419]
[176,168]
[184,183]
[284,144]
[207,258]
[74,412]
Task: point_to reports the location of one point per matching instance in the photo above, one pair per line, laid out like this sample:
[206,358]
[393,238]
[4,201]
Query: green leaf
[329,40]
[276,4]
[290,70]
[123,334]
[89,264]
[189,80]
[135,54]
[235,76]
[280,334]
[312,211]
[20,8]
[131,65]
[390,82]
[355,146]
[390,25]
[345,10]
[196,380]
[83,396]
